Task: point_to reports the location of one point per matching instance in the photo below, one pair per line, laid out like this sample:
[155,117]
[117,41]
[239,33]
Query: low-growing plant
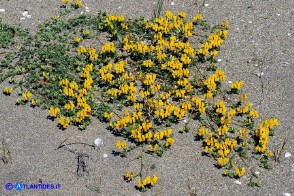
[144,77]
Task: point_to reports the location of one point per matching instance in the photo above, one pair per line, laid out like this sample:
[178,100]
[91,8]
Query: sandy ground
[260,43]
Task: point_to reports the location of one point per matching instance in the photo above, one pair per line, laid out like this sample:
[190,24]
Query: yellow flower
[240,171]
[64,121]
[140,184]
[153,180]
[202,131]
[222,161]
[244,133]
[169,141]
[148,63]
[7,91]
[168,14]
[27,95]
[197,17]
[243,98]
[269,153]
[129,175]
[124,26]
[237,85]
[225,24]
[182,14]
[153,148]
[121,145]
[107,115]
[108,47]
[81,50]
[86,32]
[54,111]
[253,113]
[78,3]
[77,40]
[34,102]
[65,1]
[55,17]
[69,106]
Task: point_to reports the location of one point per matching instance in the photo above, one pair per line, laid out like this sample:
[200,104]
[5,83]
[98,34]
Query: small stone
[119,7]
[278,14]
[287,154]
[289,34]
[257,172]
[287,194]
[206,4]
[230,82]
[105,155]
[22,18]
[172,3]
[2,10]
[28,16]
[237,182]
[250,21]
[25,13]
[219,60]
[260,74]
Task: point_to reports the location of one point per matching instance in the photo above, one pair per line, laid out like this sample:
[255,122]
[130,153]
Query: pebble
[219,60]
[289,34]
[2,10]
[105,155]
[260,74]
[172,3]
[237,182]
[288,154]
[287,194]
[25,13]
[250,21]
[206,4]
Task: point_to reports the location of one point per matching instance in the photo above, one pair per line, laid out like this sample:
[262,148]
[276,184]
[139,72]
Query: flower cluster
[148,181]
[7,91]
[263,133]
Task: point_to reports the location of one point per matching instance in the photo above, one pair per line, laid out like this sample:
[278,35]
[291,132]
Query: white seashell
[260,74]
[98,142]
[25,13]
[287,154]
[237,182]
